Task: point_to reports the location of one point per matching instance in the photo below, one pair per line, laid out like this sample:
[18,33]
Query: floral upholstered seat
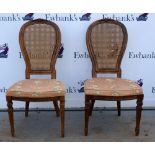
[112,87]
[35,88]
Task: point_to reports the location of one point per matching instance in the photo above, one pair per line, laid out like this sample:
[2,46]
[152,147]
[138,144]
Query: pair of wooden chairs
[40,41]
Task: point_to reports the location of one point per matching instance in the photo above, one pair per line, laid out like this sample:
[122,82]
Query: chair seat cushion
[37,88]
[111,87]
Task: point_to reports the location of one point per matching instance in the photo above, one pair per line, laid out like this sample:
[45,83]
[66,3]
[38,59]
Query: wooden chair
[39,42]
[106,42]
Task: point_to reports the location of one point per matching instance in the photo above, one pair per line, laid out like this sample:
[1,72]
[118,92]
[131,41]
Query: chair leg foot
[12,133]
[136,132]
[86,132]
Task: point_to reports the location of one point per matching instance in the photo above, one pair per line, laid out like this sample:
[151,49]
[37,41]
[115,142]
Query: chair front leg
[62,115]
[10,112]
[138,114]
[87,113]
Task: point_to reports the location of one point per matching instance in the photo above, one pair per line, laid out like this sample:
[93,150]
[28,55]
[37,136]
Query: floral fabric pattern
[112,87]
[36,88]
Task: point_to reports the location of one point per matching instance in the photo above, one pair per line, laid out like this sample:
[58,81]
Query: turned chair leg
[26,109]
[62,116]
[119,108]
[138,115]
[56,108]
[91,107]
[11,118]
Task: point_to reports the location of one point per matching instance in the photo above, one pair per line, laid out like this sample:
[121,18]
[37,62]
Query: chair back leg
[55,103]
[26,109]
[91,107]
[119,108]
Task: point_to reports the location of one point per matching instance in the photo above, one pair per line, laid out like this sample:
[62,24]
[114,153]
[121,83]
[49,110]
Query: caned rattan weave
[107,43]
[39,41]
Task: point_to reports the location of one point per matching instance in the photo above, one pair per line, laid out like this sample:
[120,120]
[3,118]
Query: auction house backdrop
[73,65]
